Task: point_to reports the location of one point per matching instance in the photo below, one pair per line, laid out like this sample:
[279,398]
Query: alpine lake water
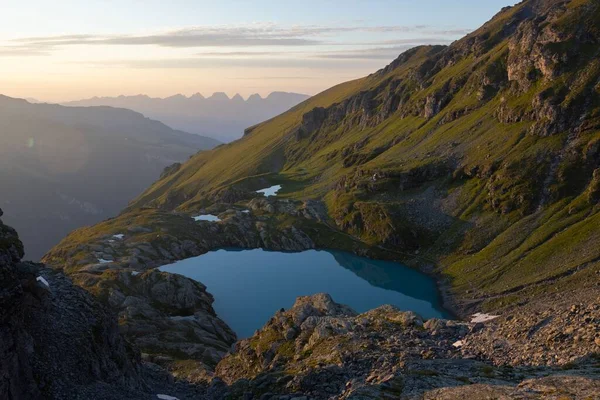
[249,286]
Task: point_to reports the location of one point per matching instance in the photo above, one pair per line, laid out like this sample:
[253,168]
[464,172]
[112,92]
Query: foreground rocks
[322,350]
[556,330]
[167,316]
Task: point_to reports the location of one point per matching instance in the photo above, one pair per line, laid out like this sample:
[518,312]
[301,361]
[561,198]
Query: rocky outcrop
[593,191]
[231,195]
[311,122]
[361,110]
[565,386]
[309,209]
[320,349]
[535,51]
[169,316]
[56,341]
[249,130]
[377,181]
[538,50]
[171,237]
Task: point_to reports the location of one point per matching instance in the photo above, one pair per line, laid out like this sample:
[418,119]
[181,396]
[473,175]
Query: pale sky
[63,50]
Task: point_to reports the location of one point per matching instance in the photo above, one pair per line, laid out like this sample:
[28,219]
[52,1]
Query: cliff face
[56,341]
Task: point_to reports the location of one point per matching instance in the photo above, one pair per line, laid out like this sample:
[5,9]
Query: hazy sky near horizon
[70,49]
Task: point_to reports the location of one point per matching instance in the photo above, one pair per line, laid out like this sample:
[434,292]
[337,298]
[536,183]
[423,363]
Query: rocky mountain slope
[478,163]
[216,116]
[62,168]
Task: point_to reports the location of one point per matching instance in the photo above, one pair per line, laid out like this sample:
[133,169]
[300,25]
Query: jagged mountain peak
[219,96]
[177,97]
[254,97]
[197,95]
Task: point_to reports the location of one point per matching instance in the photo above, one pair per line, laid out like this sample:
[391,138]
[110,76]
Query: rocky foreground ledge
[322,350]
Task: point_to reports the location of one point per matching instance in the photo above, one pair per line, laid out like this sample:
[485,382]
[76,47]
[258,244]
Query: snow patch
[270,191]
[119,236]
[103,261]
[166,397]
[135,273]
[480,317]
[43,280]
[207,217]
[246,211]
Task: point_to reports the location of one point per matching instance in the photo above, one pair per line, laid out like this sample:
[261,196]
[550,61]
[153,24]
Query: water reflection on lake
[249,286]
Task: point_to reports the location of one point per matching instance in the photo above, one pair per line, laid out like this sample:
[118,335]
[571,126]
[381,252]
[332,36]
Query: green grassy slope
[482,156]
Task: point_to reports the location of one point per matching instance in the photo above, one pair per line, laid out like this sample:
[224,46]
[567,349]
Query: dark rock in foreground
[56,340]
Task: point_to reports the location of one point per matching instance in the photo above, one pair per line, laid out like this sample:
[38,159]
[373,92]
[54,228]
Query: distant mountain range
[65,167]
[217,116]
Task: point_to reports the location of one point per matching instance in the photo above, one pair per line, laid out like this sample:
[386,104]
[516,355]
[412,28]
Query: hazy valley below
[65,167]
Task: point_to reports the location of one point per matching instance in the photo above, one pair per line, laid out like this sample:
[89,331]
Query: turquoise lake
[249,286]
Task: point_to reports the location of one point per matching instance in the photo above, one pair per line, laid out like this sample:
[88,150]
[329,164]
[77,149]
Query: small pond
[249,286]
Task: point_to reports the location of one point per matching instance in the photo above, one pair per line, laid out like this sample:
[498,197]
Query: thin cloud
[197,63]
[241,53]
[253,35]
[42,39]
[413,41]
[379,53]
[274,59]
[24,51]
[271,78]
[382,53]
